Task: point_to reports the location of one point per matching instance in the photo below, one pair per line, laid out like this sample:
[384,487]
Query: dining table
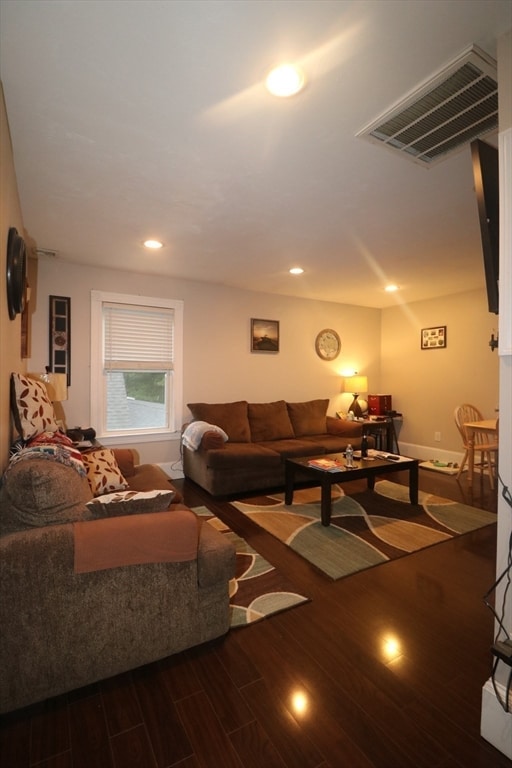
[487,426]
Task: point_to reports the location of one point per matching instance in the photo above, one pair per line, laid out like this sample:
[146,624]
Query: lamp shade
[356,384]
[56,385]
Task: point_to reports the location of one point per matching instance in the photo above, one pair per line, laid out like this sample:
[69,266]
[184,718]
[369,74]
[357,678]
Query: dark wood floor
[384,668]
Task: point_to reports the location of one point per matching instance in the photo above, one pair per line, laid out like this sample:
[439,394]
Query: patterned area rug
[258,589]
[366,528]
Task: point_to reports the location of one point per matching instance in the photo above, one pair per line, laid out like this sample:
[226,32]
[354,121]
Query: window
[136,364]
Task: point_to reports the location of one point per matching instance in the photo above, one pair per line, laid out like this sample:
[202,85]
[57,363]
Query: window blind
[138,338]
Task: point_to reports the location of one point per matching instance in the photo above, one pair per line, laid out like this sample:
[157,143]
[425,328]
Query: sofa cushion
[269,421]
[31,407]
[38,492]
[288,449]
[103,472]
[242,455]
[308,418]
[130,503]
[332,443]
[231,417]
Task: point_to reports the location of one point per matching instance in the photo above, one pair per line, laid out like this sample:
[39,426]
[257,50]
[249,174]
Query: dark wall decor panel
[60,335]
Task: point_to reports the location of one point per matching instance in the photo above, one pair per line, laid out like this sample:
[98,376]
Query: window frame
[98,387]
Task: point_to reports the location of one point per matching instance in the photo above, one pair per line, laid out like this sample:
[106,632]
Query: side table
[386,426]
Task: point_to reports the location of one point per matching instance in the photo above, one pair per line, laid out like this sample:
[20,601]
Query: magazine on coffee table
[338,464]
[388,456]
[328,465]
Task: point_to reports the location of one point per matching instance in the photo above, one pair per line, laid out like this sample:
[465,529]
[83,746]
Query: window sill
[135,437]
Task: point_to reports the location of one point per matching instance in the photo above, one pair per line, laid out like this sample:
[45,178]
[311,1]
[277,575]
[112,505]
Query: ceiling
[145,119]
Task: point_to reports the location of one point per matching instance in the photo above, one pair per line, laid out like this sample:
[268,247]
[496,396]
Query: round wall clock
[16,273]
[328,344]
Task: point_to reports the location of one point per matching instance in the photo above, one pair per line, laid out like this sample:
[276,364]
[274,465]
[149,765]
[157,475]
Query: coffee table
[363,468]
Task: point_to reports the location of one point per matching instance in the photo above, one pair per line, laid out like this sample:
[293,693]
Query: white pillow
[130,503]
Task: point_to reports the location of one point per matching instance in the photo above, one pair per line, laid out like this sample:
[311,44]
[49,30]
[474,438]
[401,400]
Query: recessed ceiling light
[391,288]
[284,81]
[296,271]
[155,244]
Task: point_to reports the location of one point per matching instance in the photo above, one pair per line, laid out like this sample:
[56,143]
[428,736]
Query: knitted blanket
[53,446]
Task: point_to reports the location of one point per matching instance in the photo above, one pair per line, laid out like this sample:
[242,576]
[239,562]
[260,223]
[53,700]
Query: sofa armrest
[144,477]
[212,439]
[156,537]
[151,477]
[63,630]
[127,460]
[216,556]
[343,427]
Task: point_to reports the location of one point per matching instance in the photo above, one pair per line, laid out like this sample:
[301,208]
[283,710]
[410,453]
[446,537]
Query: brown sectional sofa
[65,622]
[260,437]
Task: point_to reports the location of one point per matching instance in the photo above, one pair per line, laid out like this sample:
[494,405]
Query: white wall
[496,724]
[427,385]
[219,366]
[10,330]
[218,363]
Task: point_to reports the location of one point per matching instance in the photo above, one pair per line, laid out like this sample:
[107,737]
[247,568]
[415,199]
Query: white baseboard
[173,469]
[495,723]
[430,453]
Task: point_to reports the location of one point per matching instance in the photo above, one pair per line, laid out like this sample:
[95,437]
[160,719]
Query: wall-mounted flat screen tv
[486,178]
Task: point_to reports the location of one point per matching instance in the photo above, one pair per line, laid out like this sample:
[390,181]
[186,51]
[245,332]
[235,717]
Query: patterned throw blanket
[54,446]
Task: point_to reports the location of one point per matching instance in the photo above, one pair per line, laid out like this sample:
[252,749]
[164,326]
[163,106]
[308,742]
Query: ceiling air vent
[453,107]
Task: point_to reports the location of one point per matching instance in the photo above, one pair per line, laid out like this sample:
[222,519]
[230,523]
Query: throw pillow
[309,418]
[31,407]
[103,472]
[270,421]
[230,417]
[130,503]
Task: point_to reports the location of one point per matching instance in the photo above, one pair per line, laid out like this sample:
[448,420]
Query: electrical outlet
[437,437]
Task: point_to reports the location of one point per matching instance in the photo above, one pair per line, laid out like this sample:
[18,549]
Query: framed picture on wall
[60,335]
[433,338]
[264,335]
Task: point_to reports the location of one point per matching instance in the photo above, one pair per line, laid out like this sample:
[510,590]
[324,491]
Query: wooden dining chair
[484,442]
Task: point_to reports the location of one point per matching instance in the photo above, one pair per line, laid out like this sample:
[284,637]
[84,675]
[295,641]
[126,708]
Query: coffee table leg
[289,473]
[413,484]
[325,503]
[370,482]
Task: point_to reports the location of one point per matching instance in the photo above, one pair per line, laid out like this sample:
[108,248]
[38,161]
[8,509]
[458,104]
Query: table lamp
[356,385]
